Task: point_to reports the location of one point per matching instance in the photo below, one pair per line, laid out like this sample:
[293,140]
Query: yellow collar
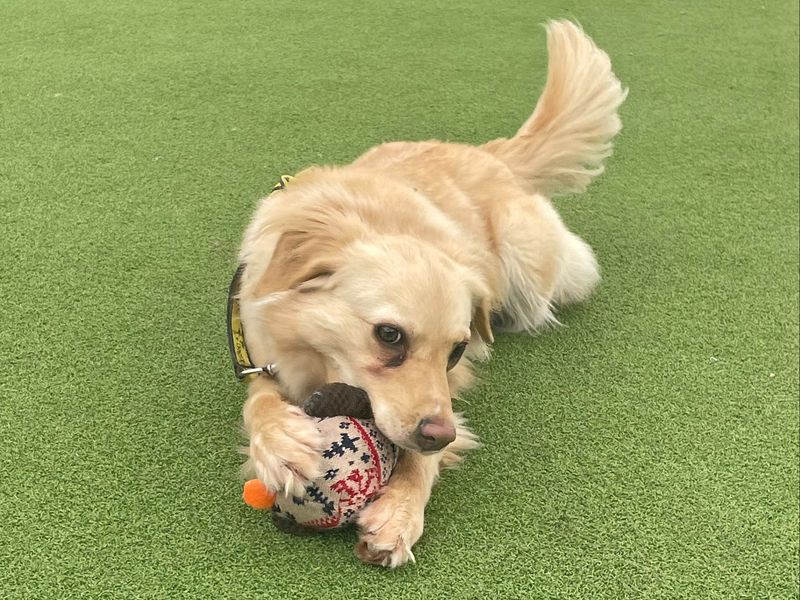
[243,367]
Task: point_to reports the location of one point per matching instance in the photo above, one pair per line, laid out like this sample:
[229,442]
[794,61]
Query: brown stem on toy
[338,399]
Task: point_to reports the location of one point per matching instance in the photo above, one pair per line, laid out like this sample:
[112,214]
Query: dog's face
[390,316]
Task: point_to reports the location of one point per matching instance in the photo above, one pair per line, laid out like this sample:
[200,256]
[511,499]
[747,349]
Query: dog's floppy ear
[481,306]
[481,320]
[301,261]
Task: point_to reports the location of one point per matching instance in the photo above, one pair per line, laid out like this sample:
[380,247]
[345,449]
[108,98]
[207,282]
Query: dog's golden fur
[430,237]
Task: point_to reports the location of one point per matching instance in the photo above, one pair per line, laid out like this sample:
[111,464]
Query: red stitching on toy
[325,522]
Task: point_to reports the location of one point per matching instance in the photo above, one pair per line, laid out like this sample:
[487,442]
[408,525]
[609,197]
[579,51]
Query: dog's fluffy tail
[561,147]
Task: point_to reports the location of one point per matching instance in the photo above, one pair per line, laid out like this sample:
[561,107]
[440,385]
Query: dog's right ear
[482,322]
[301,261]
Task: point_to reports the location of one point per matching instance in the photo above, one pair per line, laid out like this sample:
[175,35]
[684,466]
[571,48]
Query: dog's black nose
[434,433]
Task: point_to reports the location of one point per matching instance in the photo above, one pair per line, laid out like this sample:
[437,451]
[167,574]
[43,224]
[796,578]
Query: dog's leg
[543,262]
[285,444]
[579,273]
[393,523]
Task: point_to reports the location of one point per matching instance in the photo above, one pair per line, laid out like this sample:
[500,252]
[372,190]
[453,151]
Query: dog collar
[243,367]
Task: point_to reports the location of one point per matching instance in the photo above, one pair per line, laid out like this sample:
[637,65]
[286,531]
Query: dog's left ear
[481,320]
[301,261]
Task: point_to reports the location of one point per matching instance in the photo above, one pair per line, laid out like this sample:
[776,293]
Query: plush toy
[356,462]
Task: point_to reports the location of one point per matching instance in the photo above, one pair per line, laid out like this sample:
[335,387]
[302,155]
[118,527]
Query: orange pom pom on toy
[257,495]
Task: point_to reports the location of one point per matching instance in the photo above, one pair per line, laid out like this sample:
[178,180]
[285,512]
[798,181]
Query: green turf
[648,448]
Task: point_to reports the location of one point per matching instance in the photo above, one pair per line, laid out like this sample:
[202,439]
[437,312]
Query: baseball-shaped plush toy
[356,462]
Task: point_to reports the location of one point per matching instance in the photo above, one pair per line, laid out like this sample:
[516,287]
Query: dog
[389,274]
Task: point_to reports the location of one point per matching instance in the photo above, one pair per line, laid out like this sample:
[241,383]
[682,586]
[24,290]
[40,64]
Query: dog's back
[498,191]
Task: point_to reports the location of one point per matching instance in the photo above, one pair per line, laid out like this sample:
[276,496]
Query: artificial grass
[648,448]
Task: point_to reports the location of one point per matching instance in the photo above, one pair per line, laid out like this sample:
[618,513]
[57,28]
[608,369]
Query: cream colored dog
[383,273]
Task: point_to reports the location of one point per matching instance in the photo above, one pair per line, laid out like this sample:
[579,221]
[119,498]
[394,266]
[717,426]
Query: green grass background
[646,449]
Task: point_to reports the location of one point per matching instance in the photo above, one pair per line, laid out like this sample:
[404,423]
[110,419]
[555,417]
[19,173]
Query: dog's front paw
[390,527]
[285,452]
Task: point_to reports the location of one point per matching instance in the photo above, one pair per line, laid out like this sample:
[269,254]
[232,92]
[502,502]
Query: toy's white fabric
[355,465]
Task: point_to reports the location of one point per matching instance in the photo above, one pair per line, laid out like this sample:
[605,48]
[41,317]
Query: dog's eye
[455,355]
[388,334]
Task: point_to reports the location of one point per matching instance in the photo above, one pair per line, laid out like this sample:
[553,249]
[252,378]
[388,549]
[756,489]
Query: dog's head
[388,313]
